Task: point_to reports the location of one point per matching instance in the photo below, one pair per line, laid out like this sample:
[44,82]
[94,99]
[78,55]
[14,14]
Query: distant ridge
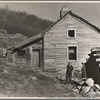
[21,22]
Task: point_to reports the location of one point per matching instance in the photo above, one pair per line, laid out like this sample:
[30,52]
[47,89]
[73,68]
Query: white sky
[50,11]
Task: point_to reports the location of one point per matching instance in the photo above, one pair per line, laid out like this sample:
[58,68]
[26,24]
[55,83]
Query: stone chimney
[63,11]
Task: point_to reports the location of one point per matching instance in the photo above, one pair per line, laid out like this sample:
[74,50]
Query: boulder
[5,71]
[33,78]
[90,82]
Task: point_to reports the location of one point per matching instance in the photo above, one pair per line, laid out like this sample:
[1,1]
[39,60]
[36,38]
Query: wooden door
[36,59]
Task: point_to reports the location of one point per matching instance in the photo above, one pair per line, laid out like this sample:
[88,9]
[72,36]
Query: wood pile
[93,65]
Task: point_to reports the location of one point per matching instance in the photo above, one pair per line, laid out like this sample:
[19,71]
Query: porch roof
[26,43]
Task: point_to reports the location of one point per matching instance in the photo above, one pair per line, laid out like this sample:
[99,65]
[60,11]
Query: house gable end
[78,18]
[85,22]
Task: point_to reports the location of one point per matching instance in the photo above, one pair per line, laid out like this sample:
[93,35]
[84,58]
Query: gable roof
[85,21]
[76,16]
[34,39]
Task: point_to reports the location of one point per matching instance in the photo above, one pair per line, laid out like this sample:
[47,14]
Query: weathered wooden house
[69,39]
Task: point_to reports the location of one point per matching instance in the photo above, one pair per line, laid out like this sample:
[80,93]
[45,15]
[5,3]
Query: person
[83,70]
[69,71]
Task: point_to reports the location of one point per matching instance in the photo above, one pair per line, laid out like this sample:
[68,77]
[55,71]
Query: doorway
[36,59]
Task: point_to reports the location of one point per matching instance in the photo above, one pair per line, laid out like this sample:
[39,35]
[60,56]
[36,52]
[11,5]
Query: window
[21,53]
[72,53]
[71,33]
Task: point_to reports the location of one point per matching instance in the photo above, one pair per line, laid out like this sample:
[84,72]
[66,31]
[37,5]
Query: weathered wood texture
[56,42]
[32,58]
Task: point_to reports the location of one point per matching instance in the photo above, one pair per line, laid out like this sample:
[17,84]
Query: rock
[33,78]
[85,89]
[90,82]
[92,93]
[62,78]
[97,86]
[5,71]
[75,90]
[79,87]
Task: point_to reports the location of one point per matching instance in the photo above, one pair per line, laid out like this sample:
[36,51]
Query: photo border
[48,1]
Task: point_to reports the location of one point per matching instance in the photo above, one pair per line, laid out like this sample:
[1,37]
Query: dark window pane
[71,33]
[21,53]
[72,53]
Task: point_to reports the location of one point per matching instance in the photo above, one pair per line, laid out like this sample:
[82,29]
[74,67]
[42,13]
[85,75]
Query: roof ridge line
[86,21]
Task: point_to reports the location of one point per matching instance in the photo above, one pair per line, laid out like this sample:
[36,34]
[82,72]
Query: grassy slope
[23,82]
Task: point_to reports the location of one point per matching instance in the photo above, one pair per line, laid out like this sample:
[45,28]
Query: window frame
[21,56]
[76,52]
[74,33]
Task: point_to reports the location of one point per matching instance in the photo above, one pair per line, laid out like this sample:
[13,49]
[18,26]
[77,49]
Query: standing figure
[83,70]
[69,72]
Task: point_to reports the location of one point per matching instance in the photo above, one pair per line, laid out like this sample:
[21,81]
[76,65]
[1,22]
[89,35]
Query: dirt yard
[24,82]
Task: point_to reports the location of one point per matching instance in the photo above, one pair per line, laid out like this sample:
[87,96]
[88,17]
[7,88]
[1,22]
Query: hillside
[17,81]
[21,22]
[7,40]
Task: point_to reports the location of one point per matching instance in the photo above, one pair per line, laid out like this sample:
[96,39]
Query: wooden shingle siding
[56,42]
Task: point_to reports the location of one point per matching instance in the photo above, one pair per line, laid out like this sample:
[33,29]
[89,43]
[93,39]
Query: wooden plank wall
[56,42]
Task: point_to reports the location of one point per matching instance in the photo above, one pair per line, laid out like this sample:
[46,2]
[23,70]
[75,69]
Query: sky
[51,11]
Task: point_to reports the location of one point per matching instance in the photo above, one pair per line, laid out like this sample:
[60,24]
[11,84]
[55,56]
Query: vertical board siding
[56,42]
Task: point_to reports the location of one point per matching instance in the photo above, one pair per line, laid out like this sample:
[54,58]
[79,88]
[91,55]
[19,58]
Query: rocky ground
[23,82]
